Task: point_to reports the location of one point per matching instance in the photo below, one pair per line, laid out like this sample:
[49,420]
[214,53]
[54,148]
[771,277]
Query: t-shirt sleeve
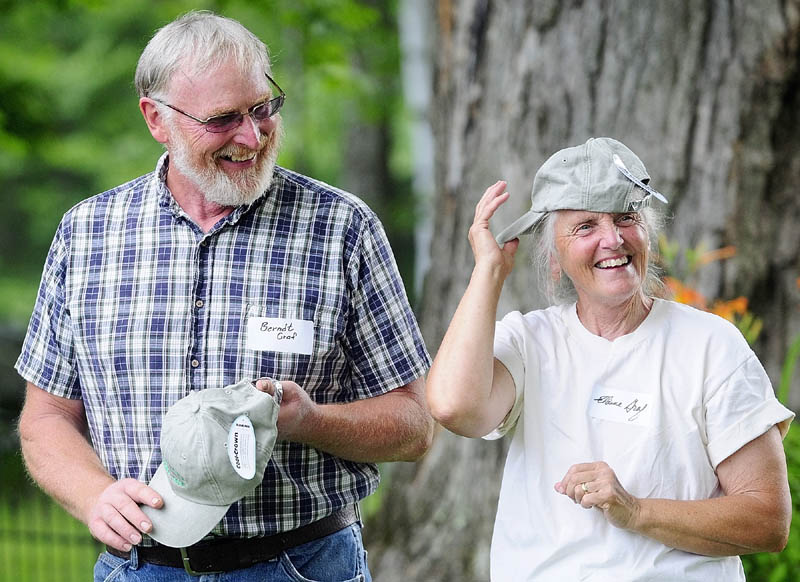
[742,408]
[47,358]
[383,338]
[509,350]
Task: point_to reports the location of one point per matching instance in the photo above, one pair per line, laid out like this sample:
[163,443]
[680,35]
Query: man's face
[230,168]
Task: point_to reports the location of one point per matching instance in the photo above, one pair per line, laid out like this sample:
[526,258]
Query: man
[217,267]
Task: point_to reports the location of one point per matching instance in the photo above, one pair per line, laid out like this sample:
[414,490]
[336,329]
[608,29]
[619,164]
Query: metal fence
[39,541]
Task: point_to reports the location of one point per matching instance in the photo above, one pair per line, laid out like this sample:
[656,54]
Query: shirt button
[199,303]
[204,243]
[195,363]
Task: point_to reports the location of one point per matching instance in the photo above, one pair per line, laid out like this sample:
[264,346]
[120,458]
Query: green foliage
[16,297]
[787,371]
[750,326]
[785,565]
[38,538]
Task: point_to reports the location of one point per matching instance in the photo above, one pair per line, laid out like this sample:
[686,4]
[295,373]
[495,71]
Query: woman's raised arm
[469,392]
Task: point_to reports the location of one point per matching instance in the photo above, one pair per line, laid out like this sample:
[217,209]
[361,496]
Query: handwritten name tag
[268,334]
[621,406]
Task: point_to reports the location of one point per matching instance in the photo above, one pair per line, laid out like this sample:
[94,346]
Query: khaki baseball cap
[601,175]
[215,446]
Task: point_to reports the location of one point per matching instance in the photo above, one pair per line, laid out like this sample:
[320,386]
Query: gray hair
[198,40]
[560,289]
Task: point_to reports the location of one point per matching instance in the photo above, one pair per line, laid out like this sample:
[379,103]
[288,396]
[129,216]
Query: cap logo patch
[174,476]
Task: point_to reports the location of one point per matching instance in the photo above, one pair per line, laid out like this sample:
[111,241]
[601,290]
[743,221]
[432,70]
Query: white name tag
[621,406]
[268,334]
[242,447]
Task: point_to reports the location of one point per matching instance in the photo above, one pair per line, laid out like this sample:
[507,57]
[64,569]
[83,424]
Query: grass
[39,539]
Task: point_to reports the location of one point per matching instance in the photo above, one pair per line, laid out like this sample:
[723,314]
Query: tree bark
[705,92]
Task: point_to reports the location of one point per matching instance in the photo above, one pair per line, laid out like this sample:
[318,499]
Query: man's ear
[156,122]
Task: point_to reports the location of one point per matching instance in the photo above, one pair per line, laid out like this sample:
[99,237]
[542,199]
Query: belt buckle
[187,565]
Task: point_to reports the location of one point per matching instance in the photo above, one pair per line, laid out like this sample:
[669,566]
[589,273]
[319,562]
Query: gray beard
[217,187]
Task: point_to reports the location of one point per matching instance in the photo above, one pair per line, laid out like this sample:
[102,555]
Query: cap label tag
[242,447]
[270,334]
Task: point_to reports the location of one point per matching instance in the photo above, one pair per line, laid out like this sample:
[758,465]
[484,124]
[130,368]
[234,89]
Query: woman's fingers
[583,478]
[492,198]
[484,246]
[596,485]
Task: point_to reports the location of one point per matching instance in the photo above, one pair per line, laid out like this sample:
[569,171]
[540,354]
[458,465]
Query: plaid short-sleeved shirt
[138,306]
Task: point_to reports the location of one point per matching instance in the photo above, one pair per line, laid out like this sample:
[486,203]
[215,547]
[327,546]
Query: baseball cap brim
[179,523]
[523,225]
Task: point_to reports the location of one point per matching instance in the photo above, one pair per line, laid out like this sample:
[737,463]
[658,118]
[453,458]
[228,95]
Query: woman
[647,441]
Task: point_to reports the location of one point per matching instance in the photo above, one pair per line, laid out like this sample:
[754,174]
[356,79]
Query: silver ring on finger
[584,487]
[278,387]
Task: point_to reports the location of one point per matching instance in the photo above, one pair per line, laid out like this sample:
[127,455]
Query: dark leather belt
[228,554]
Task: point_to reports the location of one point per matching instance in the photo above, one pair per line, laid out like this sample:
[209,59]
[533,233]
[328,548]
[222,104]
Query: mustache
[267,144]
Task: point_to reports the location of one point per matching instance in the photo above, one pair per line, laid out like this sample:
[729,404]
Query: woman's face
[605,255]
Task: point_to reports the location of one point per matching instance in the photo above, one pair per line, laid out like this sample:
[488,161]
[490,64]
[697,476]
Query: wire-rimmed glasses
[229,121]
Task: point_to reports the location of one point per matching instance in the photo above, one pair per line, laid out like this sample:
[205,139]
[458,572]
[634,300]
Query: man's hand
[296,408]
[115,518]
[395,426]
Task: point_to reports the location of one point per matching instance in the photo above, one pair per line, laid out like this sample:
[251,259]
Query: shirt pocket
[311,370]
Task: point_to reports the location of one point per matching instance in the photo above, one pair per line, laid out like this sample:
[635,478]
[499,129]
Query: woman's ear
[555,269]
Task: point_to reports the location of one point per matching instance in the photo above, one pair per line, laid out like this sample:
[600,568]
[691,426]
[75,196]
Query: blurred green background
[70,127]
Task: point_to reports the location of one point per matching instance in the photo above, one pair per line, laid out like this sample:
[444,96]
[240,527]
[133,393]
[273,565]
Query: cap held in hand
[215,446]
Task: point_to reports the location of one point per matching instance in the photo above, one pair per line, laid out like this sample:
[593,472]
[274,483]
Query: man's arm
[59,457]
[395,426]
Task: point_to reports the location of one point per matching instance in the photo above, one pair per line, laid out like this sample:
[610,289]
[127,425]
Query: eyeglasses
[230,121]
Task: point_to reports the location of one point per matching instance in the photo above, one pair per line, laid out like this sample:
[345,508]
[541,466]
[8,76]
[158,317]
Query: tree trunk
[704,91]
[415,26]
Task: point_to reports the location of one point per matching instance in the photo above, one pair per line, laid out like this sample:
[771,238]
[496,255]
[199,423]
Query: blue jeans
[339,557]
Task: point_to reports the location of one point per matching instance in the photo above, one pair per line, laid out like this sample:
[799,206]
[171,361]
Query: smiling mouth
[241,157]
[611,263]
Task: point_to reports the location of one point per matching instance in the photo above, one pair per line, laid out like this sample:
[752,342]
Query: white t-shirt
[663,406]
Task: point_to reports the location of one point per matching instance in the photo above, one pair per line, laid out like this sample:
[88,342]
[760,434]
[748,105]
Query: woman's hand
[484,247]
[596,485]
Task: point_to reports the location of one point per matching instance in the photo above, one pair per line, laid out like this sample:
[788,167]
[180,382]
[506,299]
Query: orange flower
[734,310]
[730,309]
[717,255]
[685,294]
